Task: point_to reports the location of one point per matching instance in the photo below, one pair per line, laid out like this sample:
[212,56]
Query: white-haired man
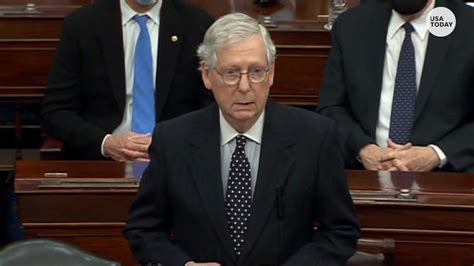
[244,181]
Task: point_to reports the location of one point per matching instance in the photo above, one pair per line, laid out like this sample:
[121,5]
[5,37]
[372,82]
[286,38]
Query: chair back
[48,252]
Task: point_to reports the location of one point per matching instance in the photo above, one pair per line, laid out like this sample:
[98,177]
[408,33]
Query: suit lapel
[434,58]
[169,47]
[376,47]
[206,170]
[276,162]
[109,29]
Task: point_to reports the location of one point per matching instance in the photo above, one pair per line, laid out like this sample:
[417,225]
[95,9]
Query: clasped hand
[398,157]
[128,146]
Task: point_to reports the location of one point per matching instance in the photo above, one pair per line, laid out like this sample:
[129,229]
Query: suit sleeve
[334,102]
[459,147]
[338,230]
[149,224]
[62,103]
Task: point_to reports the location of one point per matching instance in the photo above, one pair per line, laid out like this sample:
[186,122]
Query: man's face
[242,103]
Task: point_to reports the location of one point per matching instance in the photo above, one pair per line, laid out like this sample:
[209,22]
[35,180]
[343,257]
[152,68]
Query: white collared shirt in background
[394,41]
[130,32]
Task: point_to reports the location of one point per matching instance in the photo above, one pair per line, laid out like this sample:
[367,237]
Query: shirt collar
[128,13]
[419,23]
[228,133]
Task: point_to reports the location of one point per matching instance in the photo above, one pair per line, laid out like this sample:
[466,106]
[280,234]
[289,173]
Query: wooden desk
[92,218]
[434,228]
[9,156]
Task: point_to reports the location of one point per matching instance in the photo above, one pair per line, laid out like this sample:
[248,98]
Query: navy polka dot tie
[239,194]
[404,94]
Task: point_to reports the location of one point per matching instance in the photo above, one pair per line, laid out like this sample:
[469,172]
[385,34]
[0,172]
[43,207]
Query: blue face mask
[147,2]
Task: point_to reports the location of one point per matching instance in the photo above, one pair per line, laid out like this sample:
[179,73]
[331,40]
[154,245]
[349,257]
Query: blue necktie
[239,195]
[143,114]
[404,94]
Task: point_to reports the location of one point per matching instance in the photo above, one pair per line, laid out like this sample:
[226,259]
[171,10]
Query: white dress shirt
[130,32]
[252,148]
[394,40]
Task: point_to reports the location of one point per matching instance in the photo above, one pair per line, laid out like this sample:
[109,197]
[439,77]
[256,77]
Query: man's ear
[205,75]
[271,73]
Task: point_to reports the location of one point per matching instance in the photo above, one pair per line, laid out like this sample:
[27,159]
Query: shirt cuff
[442,157]
[102,151]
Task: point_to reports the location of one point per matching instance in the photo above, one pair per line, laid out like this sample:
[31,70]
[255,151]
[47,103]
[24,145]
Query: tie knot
[141,20]
[408,28]
[241,140]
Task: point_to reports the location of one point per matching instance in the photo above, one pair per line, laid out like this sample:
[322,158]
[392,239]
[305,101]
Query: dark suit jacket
[443,111]
[85,97]
[181,191]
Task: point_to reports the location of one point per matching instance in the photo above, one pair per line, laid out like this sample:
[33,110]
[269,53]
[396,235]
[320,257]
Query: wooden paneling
[28,42]
[302,11]
[91,218]
[28,66]
[45,2]
[32,28]
[435,227]
[298,73]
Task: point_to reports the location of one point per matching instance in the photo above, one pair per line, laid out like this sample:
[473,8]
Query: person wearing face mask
[401,96]
[120,67]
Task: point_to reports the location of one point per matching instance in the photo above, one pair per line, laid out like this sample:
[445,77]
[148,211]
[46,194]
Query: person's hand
[375,158]
[128,146]
[416,158]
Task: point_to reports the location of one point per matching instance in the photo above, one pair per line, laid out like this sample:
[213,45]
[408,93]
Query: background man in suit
[360,87]
[244,181]
[90,99]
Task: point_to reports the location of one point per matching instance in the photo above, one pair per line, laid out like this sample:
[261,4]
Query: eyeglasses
[233,76]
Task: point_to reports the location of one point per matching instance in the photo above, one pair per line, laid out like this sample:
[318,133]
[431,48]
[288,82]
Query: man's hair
[230,29]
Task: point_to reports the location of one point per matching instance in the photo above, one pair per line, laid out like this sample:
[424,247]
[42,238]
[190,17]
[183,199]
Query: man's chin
[243,114]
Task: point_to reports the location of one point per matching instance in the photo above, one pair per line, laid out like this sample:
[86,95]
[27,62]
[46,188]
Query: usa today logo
[441,21]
